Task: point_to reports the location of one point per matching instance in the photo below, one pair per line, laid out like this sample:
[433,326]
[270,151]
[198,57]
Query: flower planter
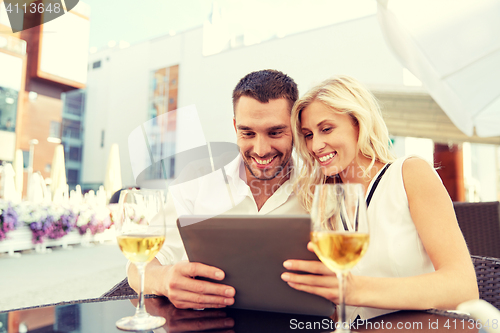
[71,238]
[18,240]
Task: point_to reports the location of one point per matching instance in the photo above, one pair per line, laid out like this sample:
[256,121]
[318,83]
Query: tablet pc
[251,249]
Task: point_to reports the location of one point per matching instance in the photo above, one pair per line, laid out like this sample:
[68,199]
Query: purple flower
[8,221]
[63,226]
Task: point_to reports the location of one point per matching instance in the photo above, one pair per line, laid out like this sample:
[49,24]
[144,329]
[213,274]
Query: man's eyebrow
[272,128]
[243,128]
[277,128]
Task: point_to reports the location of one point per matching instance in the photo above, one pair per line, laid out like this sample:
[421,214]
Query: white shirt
[211,195]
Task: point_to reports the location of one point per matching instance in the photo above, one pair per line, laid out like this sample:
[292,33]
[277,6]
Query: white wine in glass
[140,229]
[339,232]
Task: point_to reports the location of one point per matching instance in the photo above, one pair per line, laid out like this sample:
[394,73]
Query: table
[100,315]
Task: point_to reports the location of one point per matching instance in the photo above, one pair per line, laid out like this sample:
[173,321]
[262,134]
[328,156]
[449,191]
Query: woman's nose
[317,145]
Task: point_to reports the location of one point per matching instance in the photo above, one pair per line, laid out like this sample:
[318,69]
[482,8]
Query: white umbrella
[453,47]
[19,172]
[8,187]
[113,180]
[36,189]
[58,174]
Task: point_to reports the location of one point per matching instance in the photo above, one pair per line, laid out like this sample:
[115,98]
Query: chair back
[488,279]
[480,225]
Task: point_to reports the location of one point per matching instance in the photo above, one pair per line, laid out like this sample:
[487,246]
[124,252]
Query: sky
[136,21]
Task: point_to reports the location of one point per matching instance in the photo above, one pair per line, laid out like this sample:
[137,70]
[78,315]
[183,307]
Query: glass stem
[141,309]
[343,325]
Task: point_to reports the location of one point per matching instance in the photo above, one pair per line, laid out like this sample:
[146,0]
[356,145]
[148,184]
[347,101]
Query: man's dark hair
[265,85]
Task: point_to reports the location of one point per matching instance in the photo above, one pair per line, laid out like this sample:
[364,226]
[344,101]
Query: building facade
[120,95]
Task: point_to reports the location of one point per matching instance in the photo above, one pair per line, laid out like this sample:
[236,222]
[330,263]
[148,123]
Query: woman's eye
[328,129]
[308,136]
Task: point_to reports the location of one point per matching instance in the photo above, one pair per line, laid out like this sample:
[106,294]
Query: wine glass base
[140,323]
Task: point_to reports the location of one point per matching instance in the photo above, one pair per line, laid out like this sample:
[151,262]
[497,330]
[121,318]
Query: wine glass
[339,232]
[140,231]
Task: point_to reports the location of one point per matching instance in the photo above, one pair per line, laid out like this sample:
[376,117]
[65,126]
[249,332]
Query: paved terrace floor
[61,275]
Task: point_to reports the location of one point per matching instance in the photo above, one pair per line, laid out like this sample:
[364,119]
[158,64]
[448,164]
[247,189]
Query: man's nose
[262,146]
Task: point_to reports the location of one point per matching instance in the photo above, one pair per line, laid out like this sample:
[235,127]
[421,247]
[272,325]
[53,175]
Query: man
[256,182]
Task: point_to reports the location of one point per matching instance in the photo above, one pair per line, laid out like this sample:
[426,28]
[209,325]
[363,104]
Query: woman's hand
[321,280]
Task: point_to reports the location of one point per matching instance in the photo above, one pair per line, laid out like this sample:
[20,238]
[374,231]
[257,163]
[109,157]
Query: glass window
[8,109]
[72,176]
[74,102]
[75,154]
[71,129]
[26,159]
[55,129]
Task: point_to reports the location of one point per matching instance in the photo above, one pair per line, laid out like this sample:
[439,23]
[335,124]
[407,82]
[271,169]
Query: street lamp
[33,142]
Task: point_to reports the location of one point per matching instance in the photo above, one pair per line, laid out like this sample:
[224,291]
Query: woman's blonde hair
[343,94]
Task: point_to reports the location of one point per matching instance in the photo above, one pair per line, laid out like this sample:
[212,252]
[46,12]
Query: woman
[417,257]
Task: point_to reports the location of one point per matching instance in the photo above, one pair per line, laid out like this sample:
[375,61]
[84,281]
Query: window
[55,130]
[102,138]
[96,64]
[74,102]
[8,109]
[75,154]
[71,129]
[26,159]
[72,176]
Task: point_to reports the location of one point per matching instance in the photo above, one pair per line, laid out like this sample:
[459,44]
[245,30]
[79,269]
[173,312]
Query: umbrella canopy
[8,187]
[58,173]
[36,189]
[453,47]
[113,180]
[19,171]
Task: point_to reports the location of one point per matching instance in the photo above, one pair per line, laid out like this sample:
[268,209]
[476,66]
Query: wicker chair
[480,225]
[120,289]
[488,279]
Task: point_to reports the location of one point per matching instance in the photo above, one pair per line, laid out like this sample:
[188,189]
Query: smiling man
[256,182]
[262,102]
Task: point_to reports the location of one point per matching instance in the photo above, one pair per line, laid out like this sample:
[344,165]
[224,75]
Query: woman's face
[330,136]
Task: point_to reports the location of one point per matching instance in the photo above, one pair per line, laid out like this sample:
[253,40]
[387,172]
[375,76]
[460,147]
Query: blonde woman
[417,258]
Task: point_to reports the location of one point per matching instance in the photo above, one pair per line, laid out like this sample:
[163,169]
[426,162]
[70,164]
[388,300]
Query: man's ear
[234,124]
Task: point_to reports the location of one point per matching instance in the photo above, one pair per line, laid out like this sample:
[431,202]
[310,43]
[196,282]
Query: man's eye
[247,134]
[275,133]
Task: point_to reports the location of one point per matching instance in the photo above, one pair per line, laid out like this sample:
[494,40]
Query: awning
[453,47]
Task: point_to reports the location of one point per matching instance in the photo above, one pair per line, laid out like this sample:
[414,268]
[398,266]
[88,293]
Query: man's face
[264,136]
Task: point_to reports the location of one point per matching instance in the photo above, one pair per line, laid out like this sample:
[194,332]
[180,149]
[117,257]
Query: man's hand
[184,291]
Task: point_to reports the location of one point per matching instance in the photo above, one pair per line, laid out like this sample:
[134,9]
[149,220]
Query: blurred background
[88,78]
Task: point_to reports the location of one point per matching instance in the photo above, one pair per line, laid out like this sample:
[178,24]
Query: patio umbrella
[58,174]
[36,192]
[453,47]
[19,172]
[113,180]
[8,187]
